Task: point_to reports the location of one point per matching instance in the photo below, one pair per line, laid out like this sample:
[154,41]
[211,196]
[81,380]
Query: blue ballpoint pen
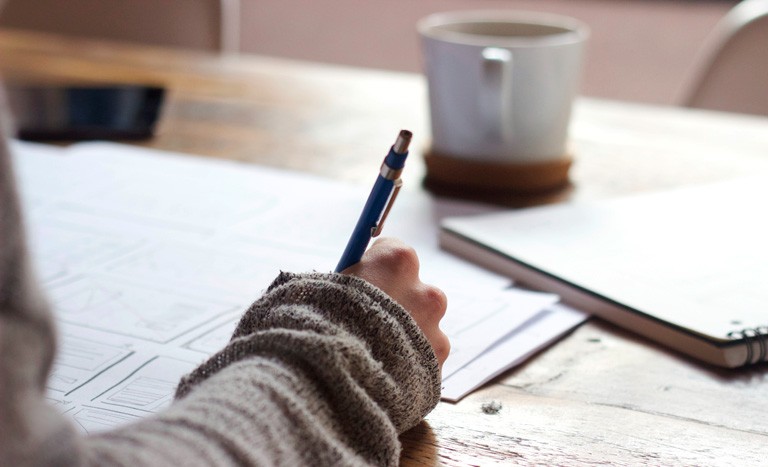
[379,202]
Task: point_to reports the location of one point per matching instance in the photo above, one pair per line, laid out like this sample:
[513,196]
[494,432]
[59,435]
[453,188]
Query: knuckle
[436,300]
[442,347]
[401,258]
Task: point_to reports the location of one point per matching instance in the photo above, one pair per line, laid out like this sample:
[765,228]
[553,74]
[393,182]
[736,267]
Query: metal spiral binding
[750,335]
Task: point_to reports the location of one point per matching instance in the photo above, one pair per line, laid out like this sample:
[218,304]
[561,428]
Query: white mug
[501,83]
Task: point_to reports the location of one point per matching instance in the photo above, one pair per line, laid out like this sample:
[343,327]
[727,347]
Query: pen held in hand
[379,202]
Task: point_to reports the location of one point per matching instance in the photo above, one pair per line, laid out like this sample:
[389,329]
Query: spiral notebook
[687,268]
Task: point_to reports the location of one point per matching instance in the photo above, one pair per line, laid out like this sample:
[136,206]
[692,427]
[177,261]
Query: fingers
[387,258]
[430,305]
[393,266]
[441,346]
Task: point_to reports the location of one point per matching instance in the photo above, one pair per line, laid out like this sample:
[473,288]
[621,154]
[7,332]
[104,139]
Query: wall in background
[640,50]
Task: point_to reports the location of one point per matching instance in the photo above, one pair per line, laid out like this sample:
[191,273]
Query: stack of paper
[150,258]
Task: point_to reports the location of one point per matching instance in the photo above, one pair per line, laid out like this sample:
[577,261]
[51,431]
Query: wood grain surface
[599,396]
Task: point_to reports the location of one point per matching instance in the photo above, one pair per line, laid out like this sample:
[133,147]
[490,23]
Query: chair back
[732,70]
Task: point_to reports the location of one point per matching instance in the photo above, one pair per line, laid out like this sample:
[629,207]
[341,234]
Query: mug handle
[495,92]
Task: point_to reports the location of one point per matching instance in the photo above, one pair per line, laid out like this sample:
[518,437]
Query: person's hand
[393,267]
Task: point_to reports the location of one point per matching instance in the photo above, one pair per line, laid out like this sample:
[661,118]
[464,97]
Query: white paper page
[149,260]
[536,334]
[476,323]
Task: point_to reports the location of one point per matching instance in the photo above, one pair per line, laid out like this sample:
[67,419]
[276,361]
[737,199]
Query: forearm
[323,370]
[323,367]
[253,412]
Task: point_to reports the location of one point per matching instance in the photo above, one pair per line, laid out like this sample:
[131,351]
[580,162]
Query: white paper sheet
[476,323]
[535,334]
[150,258]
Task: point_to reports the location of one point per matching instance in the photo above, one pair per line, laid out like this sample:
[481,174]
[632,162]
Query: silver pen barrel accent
[402,142]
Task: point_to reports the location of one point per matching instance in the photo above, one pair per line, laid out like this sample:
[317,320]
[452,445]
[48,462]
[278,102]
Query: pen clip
[376,230]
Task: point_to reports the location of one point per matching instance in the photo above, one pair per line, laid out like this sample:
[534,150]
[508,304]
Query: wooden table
[601,395]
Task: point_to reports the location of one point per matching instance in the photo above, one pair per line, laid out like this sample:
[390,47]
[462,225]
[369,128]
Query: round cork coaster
[498,176]
[495,181]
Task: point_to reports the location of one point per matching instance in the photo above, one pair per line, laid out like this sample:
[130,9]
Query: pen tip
[402,142]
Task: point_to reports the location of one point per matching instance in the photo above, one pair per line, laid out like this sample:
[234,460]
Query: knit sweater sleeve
[324,369]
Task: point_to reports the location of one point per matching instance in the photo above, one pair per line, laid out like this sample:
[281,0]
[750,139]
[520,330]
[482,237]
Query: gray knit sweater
[324,369]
